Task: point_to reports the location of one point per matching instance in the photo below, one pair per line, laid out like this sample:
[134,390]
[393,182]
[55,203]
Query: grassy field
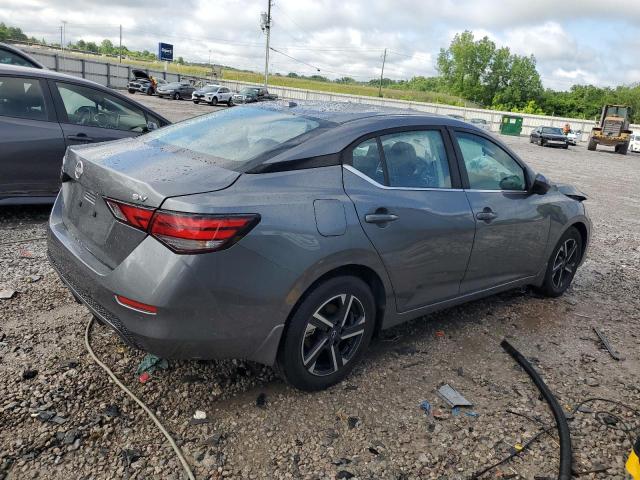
[246,76]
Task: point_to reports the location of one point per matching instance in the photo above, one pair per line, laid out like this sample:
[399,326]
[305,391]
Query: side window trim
[449,145]
[463,168]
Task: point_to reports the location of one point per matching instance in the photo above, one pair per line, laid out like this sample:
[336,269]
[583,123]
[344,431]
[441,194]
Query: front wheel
[541,142]
[214,101]
[230,102]
[131,91]
[563,264]
[176,96]
[328,333]
[592,145]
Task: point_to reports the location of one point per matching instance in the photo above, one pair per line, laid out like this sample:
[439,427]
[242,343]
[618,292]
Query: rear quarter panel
[295,254]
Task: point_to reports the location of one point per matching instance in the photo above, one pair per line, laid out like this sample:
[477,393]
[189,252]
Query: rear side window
[416,159]
[366,159]
[95,108]
[22,98]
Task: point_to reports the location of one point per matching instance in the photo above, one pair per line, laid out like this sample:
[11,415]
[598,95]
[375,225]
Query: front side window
[94,108]
[22,98]
[488,166]
[416,159]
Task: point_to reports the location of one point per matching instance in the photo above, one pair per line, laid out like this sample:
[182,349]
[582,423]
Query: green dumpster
[511,125]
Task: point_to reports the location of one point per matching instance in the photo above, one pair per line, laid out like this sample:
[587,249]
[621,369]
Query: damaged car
[290,233]
[144,83]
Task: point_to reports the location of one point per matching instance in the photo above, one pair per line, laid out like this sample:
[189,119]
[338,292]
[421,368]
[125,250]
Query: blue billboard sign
[165,52]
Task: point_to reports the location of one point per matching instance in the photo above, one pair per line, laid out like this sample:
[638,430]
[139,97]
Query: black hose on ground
[558,413]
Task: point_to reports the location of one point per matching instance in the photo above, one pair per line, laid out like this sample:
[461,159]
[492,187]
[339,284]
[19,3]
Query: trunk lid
[131,171]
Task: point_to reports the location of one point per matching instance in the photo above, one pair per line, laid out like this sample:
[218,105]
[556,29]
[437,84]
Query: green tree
[106,47]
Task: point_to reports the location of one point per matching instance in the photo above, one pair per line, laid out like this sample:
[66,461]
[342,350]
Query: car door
[31,141]
[406,191]
[90,115]
[512,224]
[224,94]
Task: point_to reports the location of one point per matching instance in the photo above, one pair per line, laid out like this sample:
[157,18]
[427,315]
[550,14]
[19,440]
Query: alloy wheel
[333,334]
[565,263]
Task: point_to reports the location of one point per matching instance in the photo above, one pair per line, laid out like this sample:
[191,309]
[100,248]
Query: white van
[634,144]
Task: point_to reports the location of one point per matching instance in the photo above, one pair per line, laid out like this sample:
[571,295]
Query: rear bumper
[196,317]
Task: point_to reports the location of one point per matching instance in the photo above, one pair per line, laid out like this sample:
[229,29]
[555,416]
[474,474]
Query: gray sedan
[42,113]
[289,233]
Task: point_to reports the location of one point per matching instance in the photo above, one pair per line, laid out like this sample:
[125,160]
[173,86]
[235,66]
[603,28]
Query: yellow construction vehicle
[613,129]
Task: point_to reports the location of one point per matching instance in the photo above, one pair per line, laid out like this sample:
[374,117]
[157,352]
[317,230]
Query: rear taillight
[185,232]
[193,233]
[133,215]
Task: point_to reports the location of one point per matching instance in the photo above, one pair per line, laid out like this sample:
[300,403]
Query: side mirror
[152,126]
[540,185]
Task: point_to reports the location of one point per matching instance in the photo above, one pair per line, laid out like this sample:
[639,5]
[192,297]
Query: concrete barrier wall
[117,75]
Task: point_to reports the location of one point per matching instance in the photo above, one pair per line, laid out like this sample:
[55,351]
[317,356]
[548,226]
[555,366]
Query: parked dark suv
[42,113]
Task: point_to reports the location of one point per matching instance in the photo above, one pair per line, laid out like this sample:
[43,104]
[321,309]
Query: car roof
[344,112]
[30,72]
[23,54]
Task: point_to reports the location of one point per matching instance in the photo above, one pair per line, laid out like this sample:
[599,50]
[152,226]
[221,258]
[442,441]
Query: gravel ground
[60,417]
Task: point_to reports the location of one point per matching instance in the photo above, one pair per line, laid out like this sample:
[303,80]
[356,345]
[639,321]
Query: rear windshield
[552,130]
[239,138]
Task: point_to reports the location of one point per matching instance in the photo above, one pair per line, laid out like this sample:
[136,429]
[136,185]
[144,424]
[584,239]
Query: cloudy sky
[574,41]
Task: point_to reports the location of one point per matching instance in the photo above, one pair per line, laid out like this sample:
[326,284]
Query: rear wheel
[196,102]
[132,91]
[327,334]
[230,102]
[563,264]
[592,145]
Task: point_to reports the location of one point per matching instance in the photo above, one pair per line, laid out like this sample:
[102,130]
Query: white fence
[116,75]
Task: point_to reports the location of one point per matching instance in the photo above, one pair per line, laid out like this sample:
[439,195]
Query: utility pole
[120,49]
[384,59]
[266,28]
[61,38]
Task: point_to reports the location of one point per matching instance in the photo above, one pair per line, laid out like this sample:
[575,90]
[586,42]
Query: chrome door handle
[380,217]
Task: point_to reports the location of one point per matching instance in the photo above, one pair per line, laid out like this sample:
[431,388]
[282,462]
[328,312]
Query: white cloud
[348,37]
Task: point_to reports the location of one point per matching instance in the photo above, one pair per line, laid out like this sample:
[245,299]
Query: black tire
[230,102]
[541,142]
[176,96]
[196,101]
[316,330]
[131,91]
[566,146]
[214,101]
[592,145]
[563,263]
[622,149]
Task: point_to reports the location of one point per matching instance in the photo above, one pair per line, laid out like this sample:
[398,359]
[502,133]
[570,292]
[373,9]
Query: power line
[295,59]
